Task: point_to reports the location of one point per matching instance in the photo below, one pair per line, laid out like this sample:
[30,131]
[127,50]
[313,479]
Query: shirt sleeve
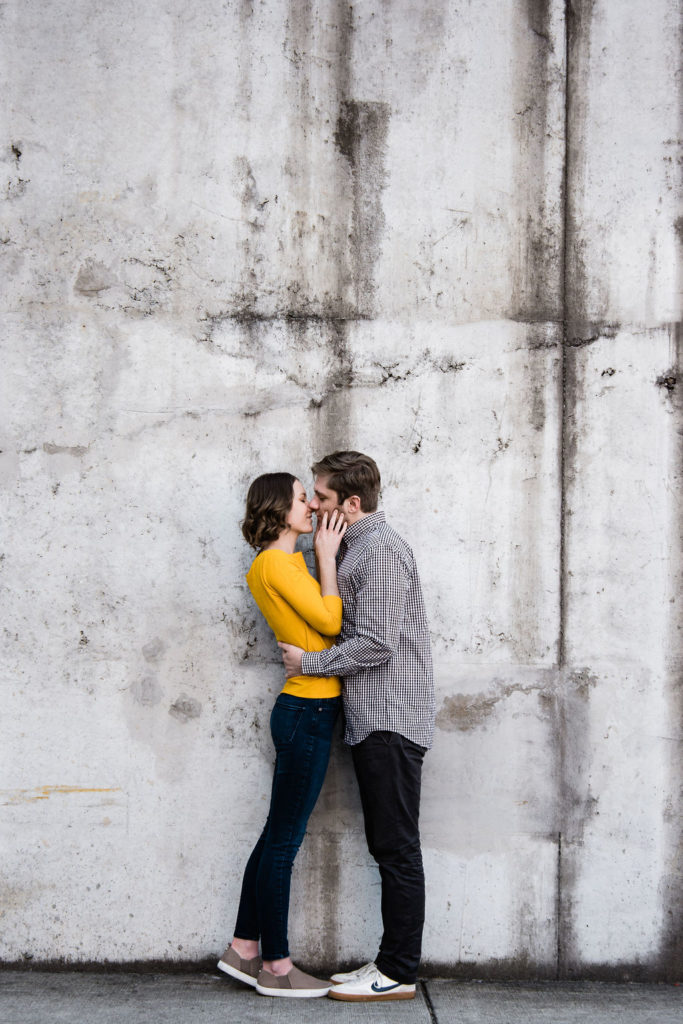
[296,585]
[380,606]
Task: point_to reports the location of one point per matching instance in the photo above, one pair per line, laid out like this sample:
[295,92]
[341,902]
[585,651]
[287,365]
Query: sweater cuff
[310,663]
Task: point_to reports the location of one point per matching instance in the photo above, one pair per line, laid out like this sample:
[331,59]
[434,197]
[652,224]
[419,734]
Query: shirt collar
[364,526]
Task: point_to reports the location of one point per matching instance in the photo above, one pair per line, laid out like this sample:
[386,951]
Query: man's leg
[389,772]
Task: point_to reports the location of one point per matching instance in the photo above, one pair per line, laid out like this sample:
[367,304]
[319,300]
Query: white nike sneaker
[360,972]
[373,986]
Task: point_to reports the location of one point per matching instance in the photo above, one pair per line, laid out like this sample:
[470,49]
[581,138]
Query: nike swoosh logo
[386,988]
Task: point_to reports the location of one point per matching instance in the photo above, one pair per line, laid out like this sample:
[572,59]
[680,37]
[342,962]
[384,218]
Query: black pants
[389,772]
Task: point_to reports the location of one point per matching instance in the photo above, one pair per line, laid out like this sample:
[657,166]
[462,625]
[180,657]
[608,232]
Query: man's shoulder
[383,538]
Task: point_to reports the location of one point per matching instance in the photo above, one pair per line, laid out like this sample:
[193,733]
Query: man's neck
[356,518]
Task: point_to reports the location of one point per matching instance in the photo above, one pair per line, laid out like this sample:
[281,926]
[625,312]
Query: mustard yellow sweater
[297,613]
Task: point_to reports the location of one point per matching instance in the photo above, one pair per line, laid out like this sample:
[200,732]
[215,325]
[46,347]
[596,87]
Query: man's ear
[354,505]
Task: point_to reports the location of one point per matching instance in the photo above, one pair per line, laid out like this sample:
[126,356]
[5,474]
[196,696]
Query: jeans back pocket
[284,721]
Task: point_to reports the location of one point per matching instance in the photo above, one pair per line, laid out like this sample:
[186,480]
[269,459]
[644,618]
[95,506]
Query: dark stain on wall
[333,409]
[146,691]
[576,323]
[75,450]
[184,708]
[667,381]
[153,649]
[319,51]
[348,241]
[361,137]
[582,332]
[670,954]
[571,711]
[93,277]
[463,712]
[323,859]
[583,302]
[537,406]
[341,370]
[538,273]
[576,804]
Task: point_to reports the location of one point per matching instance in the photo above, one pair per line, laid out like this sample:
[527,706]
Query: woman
[304,612]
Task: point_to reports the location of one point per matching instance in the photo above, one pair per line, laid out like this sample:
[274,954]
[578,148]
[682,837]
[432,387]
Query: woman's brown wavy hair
[269,499]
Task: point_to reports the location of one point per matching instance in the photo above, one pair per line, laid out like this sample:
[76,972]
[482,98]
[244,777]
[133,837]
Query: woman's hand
[328,536]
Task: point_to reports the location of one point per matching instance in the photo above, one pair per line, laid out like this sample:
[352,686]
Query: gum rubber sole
[379,998]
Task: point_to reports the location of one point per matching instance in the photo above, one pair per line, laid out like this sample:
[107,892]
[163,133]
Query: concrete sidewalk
[34,997]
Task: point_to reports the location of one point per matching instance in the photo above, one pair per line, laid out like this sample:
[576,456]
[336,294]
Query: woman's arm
[294,583]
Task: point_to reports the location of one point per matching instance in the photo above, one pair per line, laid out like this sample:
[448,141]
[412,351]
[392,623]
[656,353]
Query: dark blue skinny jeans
[301,728]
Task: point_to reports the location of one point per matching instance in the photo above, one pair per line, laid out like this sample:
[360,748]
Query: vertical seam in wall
[558,937]
[561,646]
[564,288]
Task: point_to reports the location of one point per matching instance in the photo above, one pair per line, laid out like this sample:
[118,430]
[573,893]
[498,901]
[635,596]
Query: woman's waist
[307,639]
[294,700]
[313,687]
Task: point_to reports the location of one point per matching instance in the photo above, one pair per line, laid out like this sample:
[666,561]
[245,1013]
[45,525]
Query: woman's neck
[285,542]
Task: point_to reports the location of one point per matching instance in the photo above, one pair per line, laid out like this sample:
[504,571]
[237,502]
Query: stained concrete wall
[239,235]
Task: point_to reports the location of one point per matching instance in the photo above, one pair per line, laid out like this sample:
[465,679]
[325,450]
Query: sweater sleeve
[298,588]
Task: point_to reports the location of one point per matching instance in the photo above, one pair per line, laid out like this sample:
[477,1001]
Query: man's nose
[314,504]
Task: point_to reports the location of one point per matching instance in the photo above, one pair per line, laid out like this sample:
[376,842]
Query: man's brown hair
[350,473]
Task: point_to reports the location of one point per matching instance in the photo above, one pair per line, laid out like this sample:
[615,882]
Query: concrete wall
[236,235]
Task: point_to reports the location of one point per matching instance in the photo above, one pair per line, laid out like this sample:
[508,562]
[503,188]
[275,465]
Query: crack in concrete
[428,1002]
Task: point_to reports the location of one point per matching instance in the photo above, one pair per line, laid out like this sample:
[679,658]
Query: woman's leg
[302,732]
[286,720]
[241,959]
[247,924]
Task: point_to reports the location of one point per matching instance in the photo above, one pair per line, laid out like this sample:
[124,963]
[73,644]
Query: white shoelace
[366,971]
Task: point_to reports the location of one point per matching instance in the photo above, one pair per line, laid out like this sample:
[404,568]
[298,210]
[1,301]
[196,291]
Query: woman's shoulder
[274,561]
[277,555]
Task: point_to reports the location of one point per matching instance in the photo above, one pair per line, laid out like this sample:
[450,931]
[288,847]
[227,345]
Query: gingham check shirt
[383,652]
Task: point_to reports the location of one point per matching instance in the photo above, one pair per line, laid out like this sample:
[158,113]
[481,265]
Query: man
[384,657]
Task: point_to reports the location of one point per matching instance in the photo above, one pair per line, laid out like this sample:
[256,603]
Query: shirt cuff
[310,663]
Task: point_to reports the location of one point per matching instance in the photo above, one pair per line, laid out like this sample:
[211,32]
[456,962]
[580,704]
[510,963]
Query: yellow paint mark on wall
[27,796]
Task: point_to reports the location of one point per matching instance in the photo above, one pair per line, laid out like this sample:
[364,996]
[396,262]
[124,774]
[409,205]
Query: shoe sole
[293,993]
[235,973]
[379,998]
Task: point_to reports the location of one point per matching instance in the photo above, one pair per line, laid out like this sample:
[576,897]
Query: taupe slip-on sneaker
[244,970]
[294,985]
